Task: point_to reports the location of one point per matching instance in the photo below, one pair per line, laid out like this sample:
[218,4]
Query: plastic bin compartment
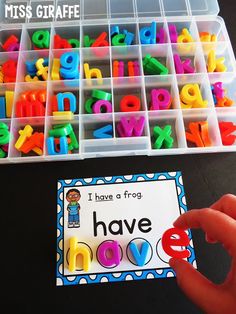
[126,54]
[68,104]
[30,100]
[129,96]
[176,8]
[55,66]
[5,139]
[187,52]
[150,8]
[227,131]
[161,29]
[96,64]
[40,11]
[166,139]
[8,67]
[7,94]
[163,54]
[27,69]
[97,127]
[131,125]
[92,32]
[192,84]
[209,134]
[166,91]
[122,9]
[91,9]
[70,35]
[180,25]
[88,101]
[62,144]
[13,45]
[221,50]
[228,85]
[42,35]
[125,28]
[214,26]
[29,150]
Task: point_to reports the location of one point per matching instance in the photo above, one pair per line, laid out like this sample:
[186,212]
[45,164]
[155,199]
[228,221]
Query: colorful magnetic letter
[129,37]
[215,65]
[101,41]
[70,65]
[2,107]
[168,241]
[148,34]
[218,89]
[63,146]
[104,132]
[226,130]
[4,134]
[92,73]
[56,69]
[75,250]
[183,67]
[199,134]
[24,135]
[131,127]
[102,106]
[62,98]
[41,39]
[163,137]
[140,256]
[173,33]
[160,99]
[160,38]
[130,103]
[185,37]
[191,95]
[113,247]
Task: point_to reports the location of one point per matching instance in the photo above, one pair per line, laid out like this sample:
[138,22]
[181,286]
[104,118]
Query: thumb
[197,287]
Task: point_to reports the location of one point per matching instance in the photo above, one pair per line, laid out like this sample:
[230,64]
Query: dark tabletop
[28,225]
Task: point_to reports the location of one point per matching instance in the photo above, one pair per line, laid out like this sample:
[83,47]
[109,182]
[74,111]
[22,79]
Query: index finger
[217,225]
[226,204]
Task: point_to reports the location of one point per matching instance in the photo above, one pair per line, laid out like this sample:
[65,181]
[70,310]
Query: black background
[28,228]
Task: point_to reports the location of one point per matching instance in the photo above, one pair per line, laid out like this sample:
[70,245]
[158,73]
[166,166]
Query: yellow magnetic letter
[76,249]
[215,65]
[55,70]
[24,134]
[185,37]
[191,94]
[9,102]
[92,73]
[42,70]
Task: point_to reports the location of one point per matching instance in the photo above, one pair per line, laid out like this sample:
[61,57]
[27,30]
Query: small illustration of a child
[73,196]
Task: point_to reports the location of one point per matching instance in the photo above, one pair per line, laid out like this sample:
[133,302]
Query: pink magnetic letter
[97,107]
[218,90]
[104,248]
[183,67]
[160,99]
[131,127]
[160,39]
[173,33]
[121,68]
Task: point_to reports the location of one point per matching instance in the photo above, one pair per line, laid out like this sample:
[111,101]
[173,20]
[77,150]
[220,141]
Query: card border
[115,276]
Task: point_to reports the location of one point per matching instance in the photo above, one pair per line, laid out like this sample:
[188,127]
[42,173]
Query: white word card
[111,228]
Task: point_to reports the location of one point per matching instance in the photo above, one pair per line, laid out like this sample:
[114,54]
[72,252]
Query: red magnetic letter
[168,241]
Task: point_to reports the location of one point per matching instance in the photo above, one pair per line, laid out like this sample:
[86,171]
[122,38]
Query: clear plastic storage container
[96,17]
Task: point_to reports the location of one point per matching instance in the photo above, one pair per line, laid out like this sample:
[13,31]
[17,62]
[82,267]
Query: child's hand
[219,223]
